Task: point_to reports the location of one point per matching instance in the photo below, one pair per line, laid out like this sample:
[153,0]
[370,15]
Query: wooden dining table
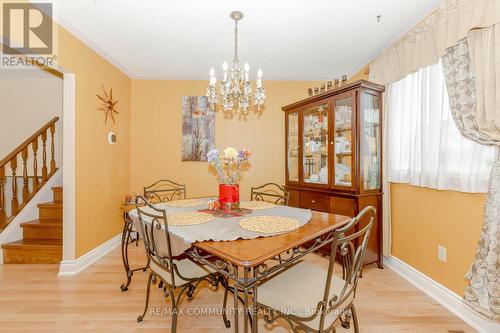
[247,262]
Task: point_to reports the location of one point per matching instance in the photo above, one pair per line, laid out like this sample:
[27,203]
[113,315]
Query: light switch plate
[442,253]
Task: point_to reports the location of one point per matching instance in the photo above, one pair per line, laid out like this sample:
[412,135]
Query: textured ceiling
[289,40]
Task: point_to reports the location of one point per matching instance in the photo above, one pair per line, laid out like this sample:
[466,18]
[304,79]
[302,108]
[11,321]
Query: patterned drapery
[478,124]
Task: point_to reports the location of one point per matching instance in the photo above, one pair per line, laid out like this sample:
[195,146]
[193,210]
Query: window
[425,147]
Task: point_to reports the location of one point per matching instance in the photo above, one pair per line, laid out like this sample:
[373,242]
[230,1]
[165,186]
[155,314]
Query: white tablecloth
[219,229]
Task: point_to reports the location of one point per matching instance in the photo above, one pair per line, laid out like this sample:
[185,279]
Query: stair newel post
[3,214]
[44,156]
[52,149]
[26,189]
[14,201]
[35,165]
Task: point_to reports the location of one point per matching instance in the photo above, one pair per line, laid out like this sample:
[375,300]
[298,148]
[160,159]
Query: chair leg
[354,319]
[141,317]
[227,322]
[174,311]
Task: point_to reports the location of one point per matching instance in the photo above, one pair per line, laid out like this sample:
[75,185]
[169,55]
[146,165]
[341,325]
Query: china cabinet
[334,154]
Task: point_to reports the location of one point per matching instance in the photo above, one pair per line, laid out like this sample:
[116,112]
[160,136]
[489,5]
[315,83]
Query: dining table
[245,258]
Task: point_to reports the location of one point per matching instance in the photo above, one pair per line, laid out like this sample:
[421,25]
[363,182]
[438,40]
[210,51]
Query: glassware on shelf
[293,147]
[370,141]
[315,141]
[343,142]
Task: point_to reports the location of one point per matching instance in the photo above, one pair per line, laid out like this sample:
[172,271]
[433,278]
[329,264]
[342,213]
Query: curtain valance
[426,43]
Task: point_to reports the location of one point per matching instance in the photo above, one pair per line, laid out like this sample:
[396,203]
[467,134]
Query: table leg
[254,306]
[126,241]
[235,294]
[245,301]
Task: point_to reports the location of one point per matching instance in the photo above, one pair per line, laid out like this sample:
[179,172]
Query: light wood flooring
[34,299]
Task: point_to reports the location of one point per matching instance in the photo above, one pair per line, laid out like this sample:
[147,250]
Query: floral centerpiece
[228,165]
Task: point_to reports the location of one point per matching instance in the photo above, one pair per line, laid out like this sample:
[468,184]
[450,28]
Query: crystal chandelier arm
[251,98]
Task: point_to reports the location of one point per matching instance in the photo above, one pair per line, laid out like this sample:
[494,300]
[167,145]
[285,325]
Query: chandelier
[235,91]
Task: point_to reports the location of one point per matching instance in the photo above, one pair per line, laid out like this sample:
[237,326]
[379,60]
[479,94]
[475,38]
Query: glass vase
[229,195]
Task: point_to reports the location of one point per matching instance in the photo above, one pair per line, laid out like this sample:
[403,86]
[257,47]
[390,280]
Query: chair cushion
[186,268]
[299,289]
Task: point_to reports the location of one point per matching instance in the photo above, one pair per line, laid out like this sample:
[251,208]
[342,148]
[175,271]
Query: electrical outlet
[442,253]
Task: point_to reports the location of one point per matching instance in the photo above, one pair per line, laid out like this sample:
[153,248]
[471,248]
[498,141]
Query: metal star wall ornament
[108,105]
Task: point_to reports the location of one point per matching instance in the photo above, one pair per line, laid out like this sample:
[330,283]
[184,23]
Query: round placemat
[256,205]
[189,218]
[185,203]
[269,224]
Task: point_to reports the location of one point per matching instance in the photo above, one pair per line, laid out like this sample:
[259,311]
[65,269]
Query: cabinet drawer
[315,201]
[342,206]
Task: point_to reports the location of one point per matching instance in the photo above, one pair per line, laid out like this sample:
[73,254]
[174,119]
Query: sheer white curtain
[425,146]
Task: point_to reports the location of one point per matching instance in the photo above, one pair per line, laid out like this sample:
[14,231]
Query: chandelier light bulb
[247,67]
[224,66]
[259,73]
[212,72]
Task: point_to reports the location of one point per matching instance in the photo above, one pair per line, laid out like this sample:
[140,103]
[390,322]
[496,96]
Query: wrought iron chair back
[351,248]
[270,192]
[151,220]
[164,190]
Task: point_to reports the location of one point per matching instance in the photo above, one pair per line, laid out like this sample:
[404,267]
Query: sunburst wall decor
[108,105]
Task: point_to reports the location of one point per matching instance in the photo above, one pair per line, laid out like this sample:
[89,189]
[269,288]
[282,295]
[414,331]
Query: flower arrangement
[228,164]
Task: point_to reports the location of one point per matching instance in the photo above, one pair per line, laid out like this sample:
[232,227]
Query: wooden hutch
[334,154]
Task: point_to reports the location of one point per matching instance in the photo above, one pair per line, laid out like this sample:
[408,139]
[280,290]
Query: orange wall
[156,133]
[423,218]
[102,171]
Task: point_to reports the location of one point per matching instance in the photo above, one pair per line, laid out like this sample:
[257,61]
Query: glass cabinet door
[343,139]
[370,141]
[293,146]
[315,144]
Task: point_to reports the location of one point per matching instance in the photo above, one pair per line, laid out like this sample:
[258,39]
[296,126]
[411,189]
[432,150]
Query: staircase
[42,238]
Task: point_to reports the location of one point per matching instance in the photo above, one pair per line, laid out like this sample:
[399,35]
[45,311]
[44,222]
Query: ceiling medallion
[235,91]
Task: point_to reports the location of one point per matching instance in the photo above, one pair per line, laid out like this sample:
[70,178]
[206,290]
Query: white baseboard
[447,298]
[73,267]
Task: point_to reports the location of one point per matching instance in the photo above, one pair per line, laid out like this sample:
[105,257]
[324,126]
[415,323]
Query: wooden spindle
[14,202]
[26,187]
[44,156]
[52,149]
[35,165]
[9,168]
[3,213]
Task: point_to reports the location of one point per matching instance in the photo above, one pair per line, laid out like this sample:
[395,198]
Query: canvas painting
[198,128]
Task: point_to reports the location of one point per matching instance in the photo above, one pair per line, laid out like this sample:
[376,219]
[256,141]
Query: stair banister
[18,158]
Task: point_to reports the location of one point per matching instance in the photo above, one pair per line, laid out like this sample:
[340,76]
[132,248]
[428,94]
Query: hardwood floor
[34,299]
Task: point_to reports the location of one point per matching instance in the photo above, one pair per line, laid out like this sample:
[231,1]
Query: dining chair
[181,275]
[312,299]
[160,191]
[270,192]
[164,190]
